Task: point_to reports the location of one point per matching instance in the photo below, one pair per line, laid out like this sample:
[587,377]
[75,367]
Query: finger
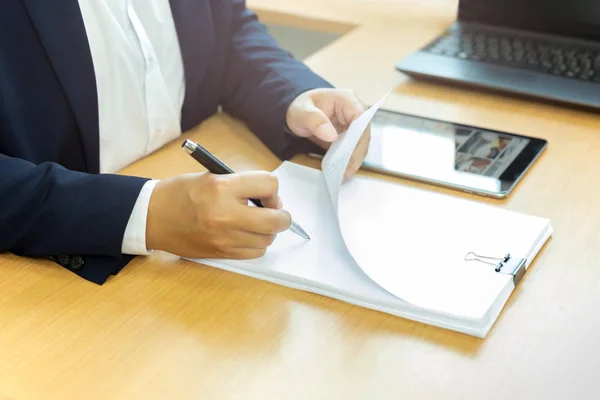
[255,184]
[263,220]
[272,202]
[339,126]
[349,108]
[317,122]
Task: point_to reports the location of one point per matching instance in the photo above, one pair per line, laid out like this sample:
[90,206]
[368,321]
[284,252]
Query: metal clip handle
[504,265]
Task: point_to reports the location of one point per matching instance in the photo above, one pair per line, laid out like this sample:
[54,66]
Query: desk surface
[167,328]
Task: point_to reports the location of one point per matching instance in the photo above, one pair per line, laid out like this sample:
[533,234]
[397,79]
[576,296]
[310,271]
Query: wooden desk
[166,328]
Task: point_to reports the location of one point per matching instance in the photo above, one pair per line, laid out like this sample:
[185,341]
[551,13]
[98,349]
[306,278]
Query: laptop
[546,49]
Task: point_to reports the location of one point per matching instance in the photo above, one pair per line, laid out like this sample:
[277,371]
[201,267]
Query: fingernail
[326,131]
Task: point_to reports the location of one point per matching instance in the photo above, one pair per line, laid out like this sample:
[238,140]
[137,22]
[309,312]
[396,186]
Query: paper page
[338,156]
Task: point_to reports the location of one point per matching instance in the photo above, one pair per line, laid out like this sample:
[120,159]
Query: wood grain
[167,328]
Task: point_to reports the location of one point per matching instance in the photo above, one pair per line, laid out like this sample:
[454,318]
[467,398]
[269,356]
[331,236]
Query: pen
[216,166]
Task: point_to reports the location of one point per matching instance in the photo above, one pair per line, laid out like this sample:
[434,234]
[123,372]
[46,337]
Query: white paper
[324,265]
[338,156]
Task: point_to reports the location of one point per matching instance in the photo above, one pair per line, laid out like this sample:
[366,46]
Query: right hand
[208,216]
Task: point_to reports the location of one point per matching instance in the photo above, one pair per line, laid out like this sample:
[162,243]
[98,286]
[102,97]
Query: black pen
[216,166]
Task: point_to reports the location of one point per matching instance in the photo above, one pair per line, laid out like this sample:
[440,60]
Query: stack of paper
[390,248]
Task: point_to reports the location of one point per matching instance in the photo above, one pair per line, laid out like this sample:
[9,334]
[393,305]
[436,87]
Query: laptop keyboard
[520,52]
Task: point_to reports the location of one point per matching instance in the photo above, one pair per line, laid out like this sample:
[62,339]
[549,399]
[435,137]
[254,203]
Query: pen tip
[299,231]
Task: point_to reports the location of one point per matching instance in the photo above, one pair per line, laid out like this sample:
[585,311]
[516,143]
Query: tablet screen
[443,152]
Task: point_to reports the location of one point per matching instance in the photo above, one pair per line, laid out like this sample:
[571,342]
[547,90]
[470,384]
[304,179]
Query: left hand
[322,114]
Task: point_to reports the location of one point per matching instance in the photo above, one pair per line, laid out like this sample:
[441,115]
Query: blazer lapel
[62,33]
[196,39]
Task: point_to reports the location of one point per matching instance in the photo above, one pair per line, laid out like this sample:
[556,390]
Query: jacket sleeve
[76,219]
[262,80]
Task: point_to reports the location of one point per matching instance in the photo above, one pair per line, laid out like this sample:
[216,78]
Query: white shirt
[140,83]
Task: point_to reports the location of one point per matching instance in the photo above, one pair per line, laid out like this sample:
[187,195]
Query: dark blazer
[53,202]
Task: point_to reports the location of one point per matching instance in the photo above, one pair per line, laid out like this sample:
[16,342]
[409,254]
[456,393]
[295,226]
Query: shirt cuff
[134,239]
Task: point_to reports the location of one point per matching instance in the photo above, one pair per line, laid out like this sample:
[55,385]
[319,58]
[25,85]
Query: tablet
[467,158]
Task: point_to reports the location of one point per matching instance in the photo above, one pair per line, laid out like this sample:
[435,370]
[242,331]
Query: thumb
[319,124]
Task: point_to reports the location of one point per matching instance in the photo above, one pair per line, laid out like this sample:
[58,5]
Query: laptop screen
[574,18]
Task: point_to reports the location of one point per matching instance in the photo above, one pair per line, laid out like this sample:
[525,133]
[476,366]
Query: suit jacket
[53,201]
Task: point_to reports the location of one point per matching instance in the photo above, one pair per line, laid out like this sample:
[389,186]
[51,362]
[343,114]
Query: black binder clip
[504,265]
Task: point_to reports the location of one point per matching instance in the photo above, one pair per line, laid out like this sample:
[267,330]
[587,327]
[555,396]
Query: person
[91,86]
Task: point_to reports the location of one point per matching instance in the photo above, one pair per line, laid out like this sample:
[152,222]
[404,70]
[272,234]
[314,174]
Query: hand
[322,114]
[208,216]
